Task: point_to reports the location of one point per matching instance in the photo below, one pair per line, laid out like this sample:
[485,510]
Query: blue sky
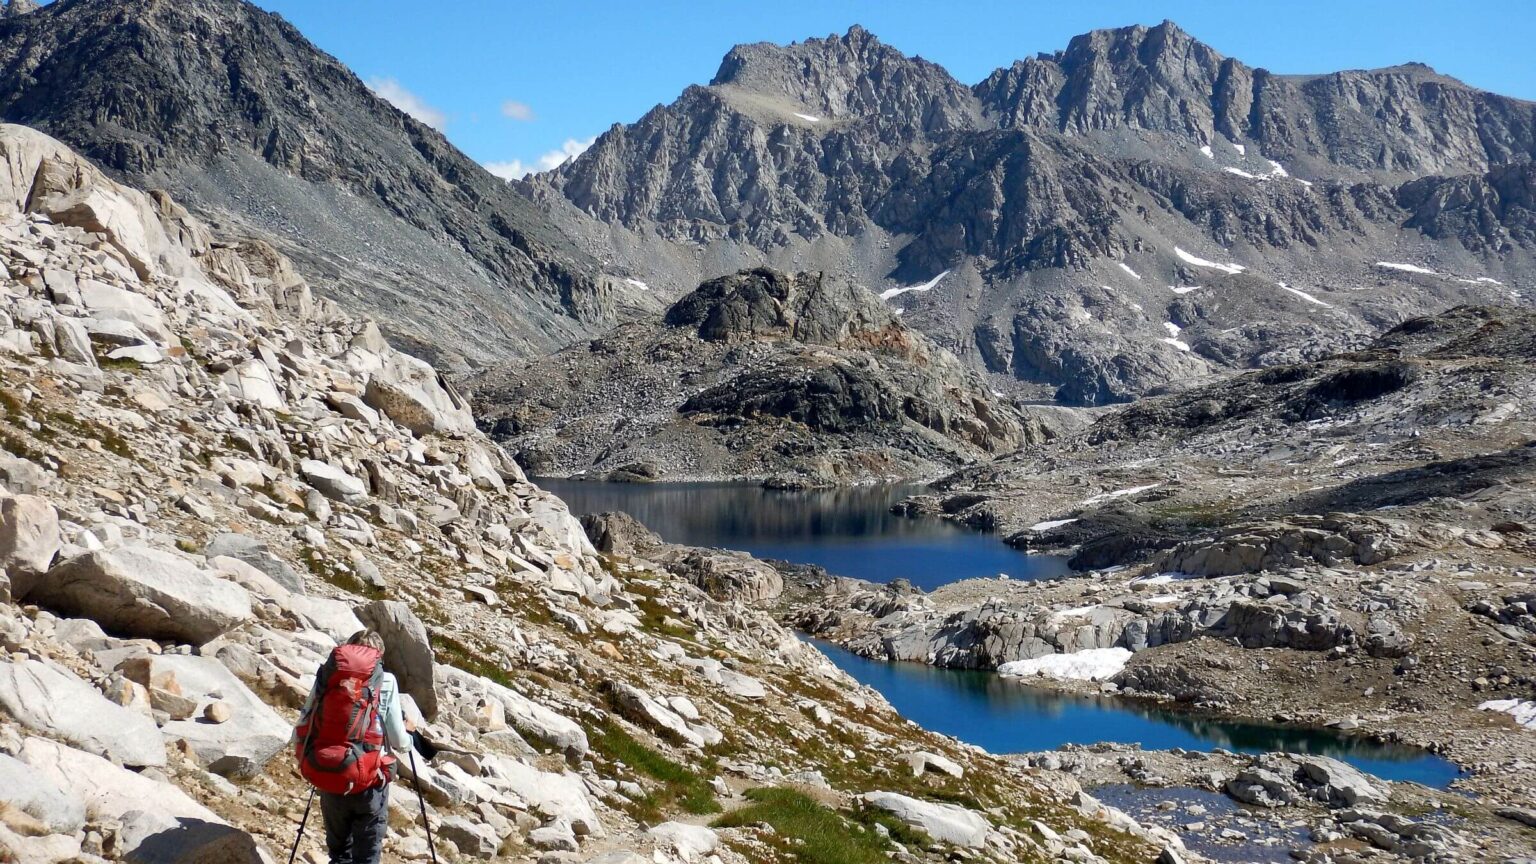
[522,84]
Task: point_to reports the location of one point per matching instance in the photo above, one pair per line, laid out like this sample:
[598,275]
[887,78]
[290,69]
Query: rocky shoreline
[1342,545]
[1218,679]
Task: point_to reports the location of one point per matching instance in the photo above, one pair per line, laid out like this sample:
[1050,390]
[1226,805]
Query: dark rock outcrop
[759,374]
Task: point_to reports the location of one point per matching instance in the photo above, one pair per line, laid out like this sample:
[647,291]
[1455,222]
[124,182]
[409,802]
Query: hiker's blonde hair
[369,638]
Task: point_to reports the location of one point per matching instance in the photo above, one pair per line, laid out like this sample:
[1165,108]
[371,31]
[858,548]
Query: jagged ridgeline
[1134,210]
[237,114]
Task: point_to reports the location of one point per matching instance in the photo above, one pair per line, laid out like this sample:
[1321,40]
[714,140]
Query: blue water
[1008,716]
[849,531]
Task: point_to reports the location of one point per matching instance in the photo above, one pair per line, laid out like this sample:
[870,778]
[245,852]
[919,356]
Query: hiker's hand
[409,726]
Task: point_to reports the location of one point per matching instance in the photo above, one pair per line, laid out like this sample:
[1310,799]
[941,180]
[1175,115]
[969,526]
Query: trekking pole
[302,822]
[416,781]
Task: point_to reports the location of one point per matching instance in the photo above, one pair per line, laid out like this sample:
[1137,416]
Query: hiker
[347,740]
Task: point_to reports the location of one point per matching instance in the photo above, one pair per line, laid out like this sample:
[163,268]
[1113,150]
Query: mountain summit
[1132,211]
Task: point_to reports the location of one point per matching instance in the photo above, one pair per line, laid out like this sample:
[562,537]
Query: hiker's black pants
[355,825]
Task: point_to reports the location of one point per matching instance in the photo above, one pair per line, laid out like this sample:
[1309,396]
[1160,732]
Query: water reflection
[849,531]
[1008,716]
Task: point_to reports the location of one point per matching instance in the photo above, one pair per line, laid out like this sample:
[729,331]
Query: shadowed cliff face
[1114,180]
[245,120]
[760,374]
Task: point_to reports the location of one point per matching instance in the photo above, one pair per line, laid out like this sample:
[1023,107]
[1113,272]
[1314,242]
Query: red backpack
[340,744]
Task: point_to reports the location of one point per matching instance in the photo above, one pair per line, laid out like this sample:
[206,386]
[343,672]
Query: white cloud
[514,170]
[517,169]
[390,90]
[517,110]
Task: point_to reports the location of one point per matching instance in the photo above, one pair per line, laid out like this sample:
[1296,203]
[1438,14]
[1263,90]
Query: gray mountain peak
[17,8]
[246,121]
[1225,189]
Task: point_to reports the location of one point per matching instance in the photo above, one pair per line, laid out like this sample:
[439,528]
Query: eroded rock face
[413,394]
[253,552]
[29,538]
[619,533]
[1328,541]
[757,374]
[50,700]
[244,742]
[407,650]
[730,576]
[38,797]
[144,592]
[175,825]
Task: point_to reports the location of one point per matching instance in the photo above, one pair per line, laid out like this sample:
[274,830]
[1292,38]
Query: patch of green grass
[654,617]
[126,364]
[899,831]
[1189,514]
[19,447]
[681,785]
[468,659]
[807,830]
[343,579]
[54,422]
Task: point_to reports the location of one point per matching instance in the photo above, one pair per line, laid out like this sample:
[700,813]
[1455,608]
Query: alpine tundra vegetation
[1238,367]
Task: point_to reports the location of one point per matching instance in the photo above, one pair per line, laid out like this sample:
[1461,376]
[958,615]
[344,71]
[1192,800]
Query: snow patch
[1162,599]
[1173,336]
[1304,295]
[1276,171]
[1481,280]
[1201,262]
[1050,524]
[1093,664]
[1120,493]
[638,284]
[1406,268]
[809,118]
[1075,612]
[1523,712]
[1127,268]
[926,286]
[1183,289]
[1206,149]
[1242,149]
[1161,579]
